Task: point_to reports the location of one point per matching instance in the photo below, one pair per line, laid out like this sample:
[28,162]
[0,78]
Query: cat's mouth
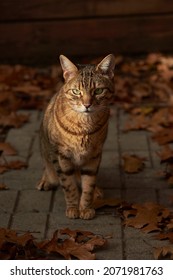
[84,110]
[88,110]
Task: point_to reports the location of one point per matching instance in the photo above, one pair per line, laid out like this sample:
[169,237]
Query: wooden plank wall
[37,31]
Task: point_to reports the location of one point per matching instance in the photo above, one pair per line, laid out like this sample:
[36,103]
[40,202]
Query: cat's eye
[76,91]
[98,91]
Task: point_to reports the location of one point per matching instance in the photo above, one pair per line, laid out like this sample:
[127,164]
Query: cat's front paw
[87,213]
[72,212]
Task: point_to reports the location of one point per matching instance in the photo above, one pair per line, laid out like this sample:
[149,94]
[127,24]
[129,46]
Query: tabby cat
[73,132]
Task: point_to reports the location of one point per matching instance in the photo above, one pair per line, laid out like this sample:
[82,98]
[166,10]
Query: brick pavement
[22,207]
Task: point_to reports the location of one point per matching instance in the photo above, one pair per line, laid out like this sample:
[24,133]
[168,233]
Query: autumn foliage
[144,90]
[65,244]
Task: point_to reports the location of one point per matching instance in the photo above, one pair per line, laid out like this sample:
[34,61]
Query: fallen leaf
[138,122]
[170,225]
[164,236]
[13,120]
[102,202]
[3,187]
[79,245]
[147,216]
[165,252]
[24,246]
[166,154]
[17,164]
[170,180]
[3,169]
[164,136]
[7,149]
[133,163]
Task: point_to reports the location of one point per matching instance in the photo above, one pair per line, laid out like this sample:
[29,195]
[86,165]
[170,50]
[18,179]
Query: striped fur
[73,132]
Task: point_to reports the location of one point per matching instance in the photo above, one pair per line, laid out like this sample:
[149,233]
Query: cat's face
[90,88]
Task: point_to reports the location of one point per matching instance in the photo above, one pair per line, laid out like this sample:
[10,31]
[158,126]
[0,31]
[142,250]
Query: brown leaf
[129,213]
[164,136]
[165,252]
[80,251]
[3,187]
[170,225]
[7,149]
[27,88]
[141,90]
[166,154]
[75,234]
[137,123]
[133,163]
[17,164]
[13,120]
[170,180]
[148,216]
[164,236]
[3,168]
[79,245]
[102,202]
[15,246]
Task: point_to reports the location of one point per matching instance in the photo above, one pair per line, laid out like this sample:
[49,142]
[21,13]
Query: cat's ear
[69,69]
[107,65]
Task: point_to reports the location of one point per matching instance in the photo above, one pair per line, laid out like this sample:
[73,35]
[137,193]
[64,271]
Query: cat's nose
[87,105]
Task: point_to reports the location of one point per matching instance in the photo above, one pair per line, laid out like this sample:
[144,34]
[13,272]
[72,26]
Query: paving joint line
[52,200]
[14,209]
[30,152]
[149,150]
[122,181]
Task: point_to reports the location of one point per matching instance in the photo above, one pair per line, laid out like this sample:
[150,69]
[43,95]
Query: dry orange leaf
[17,164]
[78,244]
[102,202]
[3,169]
[163,236]
[166,154]
[133,163]
[3,187]
[165,252]
[164,136]
[138,122]
[148,216]
[7,149]
[13,120]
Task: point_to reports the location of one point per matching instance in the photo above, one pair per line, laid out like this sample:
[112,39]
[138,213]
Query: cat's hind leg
[49,179]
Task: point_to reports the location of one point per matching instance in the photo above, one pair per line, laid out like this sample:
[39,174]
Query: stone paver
[24,208]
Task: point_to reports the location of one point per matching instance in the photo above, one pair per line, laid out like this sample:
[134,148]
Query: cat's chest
[79,150]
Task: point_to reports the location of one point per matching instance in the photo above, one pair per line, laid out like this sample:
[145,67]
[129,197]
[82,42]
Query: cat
[73,132]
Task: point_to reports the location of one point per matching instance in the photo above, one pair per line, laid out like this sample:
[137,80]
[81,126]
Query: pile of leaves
[152,217]
[65,244]
[21,88]
[149,218]
[144,89]
[78,244]
[146,80]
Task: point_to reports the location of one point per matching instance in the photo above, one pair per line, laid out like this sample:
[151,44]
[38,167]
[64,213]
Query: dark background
[37,31]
